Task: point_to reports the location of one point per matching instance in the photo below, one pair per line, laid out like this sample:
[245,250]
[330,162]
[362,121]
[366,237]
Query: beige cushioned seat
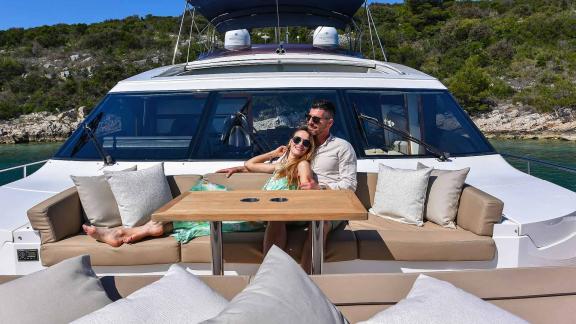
[382,239]
[164,250]
[247,247]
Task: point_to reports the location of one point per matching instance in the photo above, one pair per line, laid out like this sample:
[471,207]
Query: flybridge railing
[530,160]
[24,168]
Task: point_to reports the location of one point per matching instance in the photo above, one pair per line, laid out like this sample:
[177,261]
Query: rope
[179,32]
[277,31]
[377,36]
[370,29]
[190,35]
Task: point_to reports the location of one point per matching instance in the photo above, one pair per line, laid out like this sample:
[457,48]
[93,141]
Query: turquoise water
[556,151]
[561,152]
[18,154]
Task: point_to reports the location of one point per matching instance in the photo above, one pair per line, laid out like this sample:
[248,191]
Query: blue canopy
[228,15]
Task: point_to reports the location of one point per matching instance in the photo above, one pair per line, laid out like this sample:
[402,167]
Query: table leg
[216,245]
[317,228]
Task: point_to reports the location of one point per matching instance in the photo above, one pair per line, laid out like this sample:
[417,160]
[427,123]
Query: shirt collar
[329,139]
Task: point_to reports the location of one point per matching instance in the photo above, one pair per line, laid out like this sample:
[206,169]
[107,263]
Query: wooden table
[315,206]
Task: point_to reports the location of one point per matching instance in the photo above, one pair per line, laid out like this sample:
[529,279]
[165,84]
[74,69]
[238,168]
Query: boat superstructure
[216,112]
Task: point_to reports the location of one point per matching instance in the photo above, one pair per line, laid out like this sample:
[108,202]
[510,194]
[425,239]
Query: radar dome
[325,37]
[237,39]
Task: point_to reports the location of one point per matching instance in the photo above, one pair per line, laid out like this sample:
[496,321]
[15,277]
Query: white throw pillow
[281,292]
[178,297]
[400,194]
[98,202]
[139,193]
[443,198]
[434,301]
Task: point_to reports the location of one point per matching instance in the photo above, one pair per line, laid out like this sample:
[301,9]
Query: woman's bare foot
[111,236]
[275,235]
[152,228]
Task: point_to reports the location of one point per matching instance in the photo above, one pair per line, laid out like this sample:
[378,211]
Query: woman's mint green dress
[185,231]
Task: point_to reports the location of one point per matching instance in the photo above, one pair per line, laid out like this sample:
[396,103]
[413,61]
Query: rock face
[41,127]
[514,121]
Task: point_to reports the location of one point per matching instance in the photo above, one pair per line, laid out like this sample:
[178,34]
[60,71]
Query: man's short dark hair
[325,105]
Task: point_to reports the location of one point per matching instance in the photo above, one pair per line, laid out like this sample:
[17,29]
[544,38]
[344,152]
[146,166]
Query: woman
[292,169]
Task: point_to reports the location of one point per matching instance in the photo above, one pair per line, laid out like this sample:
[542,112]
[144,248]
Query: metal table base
[216,243]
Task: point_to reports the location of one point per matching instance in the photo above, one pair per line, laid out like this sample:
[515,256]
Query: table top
[259,205]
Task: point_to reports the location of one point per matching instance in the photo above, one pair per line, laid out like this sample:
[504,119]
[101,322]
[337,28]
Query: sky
[33,13]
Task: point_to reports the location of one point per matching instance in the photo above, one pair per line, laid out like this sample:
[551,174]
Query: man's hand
[232,170]
[312,185]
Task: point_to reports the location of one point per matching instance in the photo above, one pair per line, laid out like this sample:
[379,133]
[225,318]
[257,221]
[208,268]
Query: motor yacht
[245,99]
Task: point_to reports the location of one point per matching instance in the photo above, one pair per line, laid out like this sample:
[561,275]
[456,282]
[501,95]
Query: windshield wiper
[442,156]
[88,133]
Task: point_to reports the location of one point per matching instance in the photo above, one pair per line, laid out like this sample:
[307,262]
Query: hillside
[495,56]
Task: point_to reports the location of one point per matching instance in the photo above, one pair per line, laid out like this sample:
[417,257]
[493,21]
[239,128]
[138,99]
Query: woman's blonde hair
[289,169]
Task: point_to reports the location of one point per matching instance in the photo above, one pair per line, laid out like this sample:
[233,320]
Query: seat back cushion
[57,217]
[239,181]
[366,187]
[182,183]
[478,211]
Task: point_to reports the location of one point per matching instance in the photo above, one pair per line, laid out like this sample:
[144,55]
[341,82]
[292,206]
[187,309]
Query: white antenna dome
[237,39]
[325,37]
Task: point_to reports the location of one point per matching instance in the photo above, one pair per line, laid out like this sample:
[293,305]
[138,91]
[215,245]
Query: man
[335,161]
[334,165]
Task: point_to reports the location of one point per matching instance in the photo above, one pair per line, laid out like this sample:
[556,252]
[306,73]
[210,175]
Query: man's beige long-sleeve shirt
[335,164]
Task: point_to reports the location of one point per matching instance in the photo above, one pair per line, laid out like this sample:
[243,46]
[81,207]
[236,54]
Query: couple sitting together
[312,159]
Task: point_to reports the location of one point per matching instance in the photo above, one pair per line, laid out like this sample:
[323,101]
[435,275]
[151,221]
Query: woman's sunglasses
[298,139]
[315,119]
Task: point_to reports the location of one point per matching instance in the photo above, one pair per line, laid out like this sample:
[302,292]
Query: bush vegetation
[486,52]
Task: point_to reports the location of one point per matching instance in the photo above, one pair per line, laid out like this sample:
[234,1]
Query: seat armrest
[478,211]
[57,217]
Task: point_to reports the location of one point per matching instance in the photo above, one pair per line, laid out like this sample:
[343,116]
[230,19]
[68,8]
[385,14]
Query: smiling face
[319,122]
[299,149]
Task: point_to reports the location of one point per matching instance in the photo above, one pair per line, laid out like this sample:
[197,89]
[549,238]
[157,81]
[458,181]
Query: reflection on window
[247,123]
[141,127]
[432,117]
[390,109]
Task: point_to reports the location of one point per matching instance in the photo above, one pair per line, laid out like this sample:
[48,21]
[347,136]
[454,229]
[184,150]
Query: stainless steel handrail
[24,168]
[542,162]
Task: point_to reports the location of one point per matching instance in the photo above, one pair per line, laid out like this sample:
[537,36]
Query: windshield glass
[430,116]
[236,125]
[231,125]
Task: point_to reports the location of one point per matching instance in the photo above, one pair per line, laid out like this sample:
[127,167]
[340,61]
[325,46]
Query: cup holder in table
[250,199]
[279,199]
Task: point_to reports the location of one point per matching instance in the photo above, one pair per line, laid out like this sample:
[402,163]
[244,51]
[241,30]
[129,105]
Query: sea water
[560,152]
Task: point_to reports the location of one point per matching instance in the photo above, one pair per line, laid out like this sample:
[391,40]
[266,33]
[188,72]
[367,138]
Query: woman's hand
[232,170]
[279,152]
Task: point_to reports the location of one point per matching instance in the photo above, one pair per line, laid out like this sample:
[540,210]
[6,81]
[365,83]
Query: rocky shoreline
[514,121]
[41,127]
[506,121]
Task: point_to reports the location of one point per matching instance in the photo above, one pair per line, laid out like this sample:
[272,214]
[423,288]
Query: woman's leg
[306,259]
[112,236]
[152,228]
[275,235]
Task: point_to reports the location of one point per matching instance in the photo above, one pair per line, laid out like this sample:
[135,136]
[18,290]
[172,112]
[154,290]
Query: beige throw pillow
[97,199]
[443,198]
[400,194]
